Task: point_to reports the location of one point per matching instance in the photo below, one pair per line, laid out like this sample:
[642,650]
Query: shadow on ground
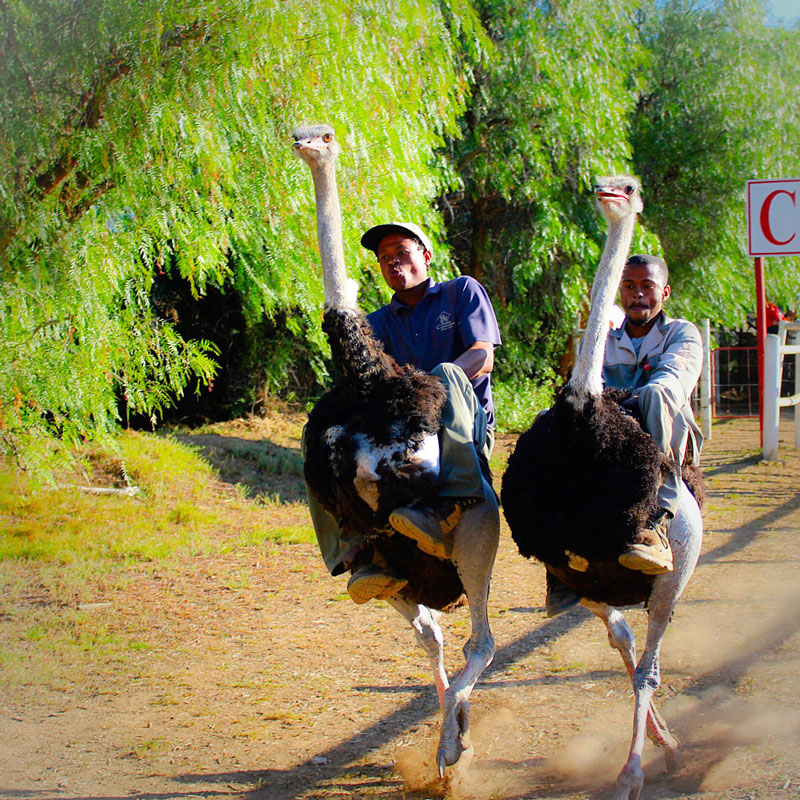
[330,767]
[266,470]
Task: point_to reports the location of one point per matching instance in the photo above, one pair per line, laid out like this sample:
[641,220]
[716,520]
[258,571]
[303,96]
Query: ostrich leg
[429,635]
[474,548]
[620,637]
[685,535]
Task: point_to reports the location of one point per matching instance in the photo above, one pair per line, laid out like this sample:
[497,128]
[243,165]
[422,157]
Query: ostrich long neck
[358,357]
[329,237]
[586,380]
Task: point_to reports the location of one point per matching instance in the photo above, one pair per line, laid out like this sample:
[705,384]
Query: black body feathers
[376,414]
[584,481]
[368,376]
[375,405]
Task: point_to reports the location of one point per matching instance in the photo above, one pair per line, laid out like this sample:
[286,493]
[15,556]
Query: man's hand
[631,406]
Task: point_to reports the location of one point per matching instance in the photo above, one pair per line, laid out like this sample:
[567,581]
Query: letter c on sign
[765,216]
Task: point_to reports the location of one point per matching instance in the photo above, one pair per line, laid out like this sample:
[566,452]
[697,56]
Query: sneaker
[560,597]
[650,551]
[428,527]
[369,582]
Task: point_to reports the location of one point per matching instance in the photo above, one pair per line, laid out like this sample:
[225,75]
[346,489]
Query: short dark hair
[645,260]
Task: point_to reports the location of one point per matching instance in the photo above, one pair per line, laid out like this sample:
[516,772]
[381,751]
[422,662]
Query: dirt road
[257,677]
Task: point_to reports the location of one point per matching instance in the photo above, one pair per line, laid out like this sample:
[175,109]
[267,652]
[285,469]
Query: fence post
[771,395]
[796,340]
[705,381]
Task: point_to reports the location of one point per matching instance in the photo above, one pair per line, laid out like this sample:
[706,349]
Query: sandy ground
[258,678]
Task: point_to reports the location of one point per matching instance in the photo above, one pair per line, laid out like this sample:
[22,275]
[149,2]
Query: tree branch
[89,199]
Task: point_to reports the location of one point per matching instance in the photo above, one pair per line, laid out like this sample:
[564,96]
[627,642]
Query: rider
[658,360]
[448,329]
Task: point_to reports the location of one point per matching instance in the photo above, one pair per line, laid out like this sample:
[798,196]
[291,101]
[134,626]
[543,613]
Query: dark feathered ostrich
[584,478]
[366,445]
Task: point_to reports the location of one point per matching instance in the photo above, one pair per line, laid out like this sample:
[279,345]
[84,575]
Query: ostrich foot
[630,780]
[672,757]
[418,769]
[460,755]
[661,736]
[454,744]
[458,770]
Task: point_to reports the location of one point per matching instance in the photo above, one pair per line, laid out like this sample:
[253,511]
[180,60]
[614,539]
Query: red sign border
[749,239]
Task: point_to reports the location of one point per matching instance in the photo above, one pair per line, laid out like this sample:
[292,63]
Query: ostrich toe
[453,746]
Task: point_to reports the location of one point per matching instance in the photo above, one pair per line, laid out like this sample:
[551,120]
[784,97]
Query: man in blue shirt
[428,323]
[449,330]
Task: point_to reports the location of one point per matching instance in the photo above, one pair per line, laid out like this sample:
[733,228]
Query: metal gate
[734,378]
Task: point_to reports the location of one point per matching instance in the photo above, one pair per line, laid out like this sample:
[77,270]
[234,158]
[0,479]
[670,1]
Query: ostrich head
[315,144]
[618,197]
[619,201]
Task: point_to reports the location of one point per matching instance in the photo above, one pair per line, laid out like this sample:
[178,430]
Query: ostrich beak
[607,195]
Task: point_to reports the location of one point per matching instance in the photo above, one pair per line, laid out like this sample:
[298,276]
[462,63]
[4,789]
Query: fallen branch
[126,491]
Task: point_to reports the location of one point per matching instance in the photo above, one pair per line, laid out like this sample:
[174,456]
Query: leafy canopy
[150,141]
[153,137]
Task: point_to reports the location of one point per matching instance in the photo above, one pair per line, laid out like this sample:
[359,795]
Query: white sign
[773,217]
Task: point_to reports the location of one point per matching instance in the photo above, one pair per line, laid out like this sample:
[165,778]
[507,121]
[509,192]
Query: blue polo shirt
[449,319]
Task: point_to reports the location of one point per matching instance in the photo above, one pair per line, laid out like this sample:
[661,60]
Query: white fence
[706,408]
[785,343]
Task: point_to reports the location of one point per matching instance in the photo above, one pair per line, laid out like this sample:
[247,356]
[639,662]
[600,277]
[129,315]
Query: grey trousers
[464,434]
[671,432]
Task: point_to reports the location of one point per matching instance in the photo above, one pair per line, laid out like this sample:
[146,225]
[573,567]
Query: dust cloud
[724,665]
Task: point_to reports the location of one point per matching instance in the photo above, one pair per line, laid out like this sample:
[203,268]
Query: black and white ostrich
[366,446]
[584,478]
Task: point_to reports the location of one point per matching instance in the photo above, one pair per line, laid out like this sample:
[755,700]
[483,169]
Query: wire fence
[734,378]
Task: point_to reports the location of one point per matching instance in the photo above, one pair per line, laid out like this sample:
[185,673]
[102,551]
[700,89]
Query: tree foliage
[145,146]
[718,106]
[153,137]
[549,111]
[694,97]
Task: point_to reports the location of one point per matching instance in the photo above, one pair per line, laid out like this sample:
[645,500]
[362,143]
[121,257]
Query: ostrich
[368,448]
[584,478]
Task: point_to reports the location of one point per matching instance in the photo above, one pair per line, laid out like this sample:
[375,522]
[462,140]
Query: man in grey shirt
[658,360]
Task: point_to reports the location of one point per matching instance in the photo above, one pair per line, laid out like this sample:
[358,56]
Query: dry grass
[68,557]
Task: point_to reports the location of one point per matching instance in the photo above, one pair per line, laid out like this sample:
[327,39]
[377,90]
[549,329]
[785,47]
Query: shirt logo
[444,321]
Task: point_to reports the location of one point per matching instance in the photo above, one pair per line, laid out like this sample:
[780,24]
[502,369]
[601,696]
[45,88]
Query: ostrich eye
[327,137]
[629,189]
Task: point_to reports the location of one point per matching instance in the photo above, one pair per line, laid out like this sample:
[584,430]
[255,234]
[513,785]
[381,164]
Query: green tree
[693,97]
[147,141]
[718,106]
[149,137]
[549,112]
